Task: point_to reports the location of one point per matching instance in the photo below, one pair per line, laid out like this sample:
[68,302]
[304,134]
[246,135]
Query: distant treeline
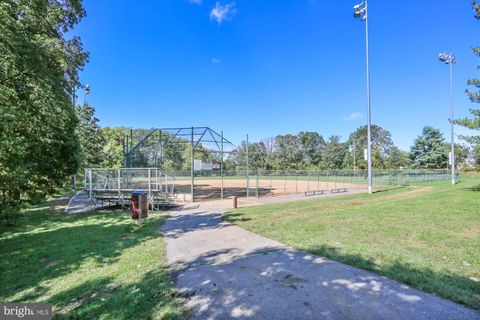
[108,147]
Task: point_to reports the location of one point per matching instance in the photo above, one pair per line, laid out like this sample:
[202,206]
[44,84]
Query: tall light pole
[361,11]
[449,58]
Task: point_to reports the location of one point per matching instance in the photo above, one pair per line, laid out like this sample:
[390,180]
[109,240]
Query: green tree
[381,144]
[258,156]
[397,158]
[312,145]
[173,150]
[288,152]
[476,154]
[334,153]
[200,153]
[38,71]
[112,152]
[474,95]
[461,153]
[91,137]
[428,150]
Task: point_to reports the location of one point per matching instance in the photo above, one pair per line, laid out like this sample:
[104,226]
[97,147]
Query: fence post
[271,183]
[119,182]
[327,177]
[296,183]
[257,185]
[90,184]
[308,182]
[149,182]
[192,168]
[335,179]
[221,167]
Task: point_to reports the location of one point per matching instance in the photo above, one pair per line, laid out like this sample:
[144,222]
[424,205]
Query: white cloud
[222,13]
[196,1]
[353,116]
[216,60]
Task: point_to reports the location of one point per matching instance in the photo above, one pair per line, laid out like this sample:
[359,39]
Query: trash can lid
[139,192]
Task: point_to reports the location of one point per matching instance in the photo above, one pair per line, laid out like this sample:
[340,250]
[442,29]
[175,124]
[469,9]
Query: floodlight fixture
[85,93]
[448,58]
[360,10]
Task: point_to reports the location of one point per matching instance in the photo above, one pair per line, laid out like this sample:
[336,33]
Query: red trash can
[139,204]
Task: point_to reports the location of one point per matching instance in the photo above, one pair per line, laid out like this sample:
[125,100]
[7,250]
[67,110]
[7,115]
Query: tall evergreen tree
[474,122]
[429,150]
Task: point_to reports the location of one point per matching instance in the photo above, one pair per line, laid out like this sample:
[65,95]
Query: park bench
[338,190]
[314,192]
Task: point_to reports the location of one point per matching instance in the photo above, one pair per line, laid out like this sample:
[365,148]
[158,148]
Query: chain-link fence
[116,185]
[257,183]
[211,184]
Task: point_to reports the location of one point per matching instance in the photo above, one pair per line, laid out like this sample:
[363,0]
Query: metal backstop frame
[210,139]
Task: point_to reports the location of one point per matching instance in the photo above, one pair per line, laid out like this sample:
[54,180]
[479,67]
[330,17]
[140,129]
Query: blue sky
[271,67]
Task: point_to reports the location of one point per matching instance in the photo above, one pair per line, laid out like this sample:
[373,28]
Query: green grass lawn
[427,236]
[89,266]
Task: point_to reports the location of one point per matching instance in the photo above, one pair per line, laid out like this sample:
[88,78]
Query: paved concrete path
[225,272]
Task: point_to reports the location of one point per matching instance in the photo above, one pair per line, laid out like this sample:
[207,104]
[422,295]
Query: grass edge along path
[426,236]
[97,265]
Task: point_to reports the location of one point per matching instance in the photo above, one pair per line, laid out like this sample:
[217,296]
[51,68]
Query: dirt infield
[211,188]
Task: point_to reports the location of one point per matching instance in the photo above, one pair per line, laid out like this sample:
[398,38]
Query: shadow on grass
[474,188]
[148,297]
[448,285]
[389,189]
[53,244]
[40,250]
[235,217]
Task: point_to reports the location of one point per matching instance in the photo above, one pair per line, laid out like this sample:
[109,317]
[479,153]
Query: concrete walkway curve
[223,271]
